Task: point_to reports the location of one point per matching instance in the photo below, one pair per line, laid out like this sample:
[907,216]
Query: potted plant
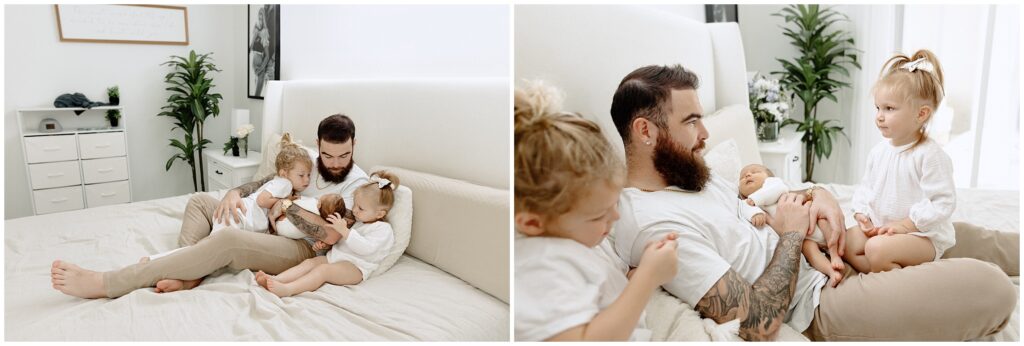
[114,95]
[823,53]
[190,103]
[113,115]
[770,105]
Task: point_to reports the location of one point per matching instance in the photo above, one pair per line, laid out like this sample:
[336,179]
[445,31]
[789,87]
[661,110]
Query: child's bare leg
[854,254]
[833,248]
[341,273]
[300,269]
[819,262]
[888,252]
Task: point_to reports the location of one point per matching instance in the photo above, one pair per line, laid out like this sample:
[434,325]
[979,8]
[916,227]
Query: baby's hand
[320,245]
[750,202]
[659,260]
[759,220]
[865,223]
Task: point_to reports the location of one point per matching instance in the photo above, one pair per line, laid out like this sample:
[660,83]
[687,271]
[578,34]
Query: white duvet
[411,301]
[671,319]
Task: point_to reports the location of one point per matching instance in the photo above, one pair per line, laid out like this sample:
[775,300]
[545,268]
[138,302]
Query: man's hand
[759,220]
[230,204]
[659,260]
[826,207]
[792,214]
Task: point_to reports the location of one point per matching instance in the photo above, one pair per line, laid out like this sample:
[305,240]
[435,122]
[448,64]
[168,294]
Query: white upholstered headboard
[587,50]
[449,139]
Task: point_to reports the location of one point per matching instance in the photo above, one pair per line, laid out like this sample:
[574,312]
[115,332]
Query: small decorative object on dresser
[225,172]
[239,141]
[113,115]
[74,162]
[770,103]
[114,96]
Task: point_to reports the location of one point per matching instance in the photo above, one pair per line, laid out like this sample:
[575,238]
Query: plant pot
[114,121]
[115,100]
[768,131]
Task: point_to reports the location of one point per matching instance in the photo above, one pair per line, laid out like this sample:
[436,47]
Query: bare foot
[261,278]
[75,281]
[144,259]
[835,278]
[837,263]
[171,285]
[277,288]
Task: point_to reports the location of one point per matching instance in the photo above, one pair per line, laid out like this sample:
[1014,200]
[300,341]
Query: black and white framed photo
[721,13]
[264,48]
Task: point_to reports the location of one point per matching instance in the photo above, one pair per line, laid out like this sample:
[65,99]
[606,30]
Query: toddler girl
[570,284]
[904,202]
[356,255]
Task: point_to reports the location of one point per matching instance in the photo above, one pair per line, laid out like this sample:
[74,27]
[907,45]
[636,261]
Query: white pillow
[724,160]
[271,147]
[400,218]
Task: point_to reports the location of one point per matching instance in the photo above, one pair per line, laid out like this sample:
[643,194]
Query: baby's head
[752,178]
[907,93]
[567,176]
[293,163]
[373,200]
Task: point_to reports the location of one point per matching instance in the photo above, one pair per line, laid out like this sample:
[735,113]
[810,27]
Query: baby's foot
[261,278]
[75,281]
[835,278]
[144,259]
[277,288]
[837,263]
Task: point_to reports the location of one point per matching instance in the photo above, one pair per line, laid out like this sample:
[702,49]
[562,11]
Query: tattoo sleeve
[250,187]
[308,223]
[760,307]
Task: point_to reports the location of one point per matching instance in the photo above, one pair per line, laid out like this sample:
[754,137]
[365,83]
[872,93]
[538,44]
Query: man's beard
[331,177]
[679,166]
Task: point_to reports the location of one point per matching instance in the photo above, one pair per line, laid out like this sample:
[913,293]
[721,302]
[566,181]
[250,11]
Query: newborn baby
[325,205]
[760,190]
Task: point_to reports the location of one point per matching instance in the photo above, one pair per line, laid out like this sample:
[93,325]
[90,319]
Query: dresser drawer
[50,148]
[56,200]
[55,174]
[104,170]
[219,173]
[107,193]
[97,145]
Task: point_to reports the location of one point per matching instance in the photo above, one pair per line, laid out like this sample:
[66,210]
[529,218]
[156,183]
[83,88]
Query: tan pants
[230,247]
[965,295]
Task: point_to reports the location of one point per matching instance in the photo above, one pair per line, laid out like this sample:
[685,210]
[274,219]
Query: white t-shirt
[255,218]
[561,284]
[347,188]
[712,239]
[917,184]
[366,245]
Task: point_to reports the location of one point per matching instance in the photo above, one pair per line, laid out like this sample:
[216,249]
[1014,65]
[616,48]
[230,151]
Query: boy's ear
[530,224]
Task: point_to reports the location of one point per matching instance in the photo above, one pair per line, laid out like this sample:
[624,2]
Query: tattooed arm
[232,200]
[762,307]
[312,225]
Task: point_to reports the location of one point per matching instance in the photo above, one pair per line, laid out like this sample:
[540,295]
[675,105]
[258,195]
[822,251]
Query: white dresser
[83,165]
[226,171]
[784,156]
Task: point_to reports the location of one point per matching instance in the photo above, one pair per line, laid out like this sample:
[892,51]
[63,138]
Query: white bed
[586,50]
[450,285]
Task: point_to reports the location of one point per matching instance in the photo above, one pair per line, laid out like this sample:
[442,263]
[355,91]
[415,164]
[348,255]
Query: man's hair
[337,128]
[646,93]
[558,155]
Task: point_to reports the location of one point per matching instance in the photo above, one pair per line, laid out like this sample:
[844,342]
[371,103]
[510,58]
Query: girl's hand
[865,224]
[759,220]
[659,260]
[897,227]
[339,224]
[320,245]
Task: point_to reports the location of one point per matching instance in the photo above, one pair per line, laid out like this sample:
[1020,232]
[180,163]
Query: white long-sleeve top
[366,245]
[916,183]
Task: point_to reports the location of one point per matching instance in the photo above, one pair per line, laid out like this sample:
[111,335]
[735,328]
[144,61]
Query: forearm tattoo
[761,307]
[248,188]
[311,227]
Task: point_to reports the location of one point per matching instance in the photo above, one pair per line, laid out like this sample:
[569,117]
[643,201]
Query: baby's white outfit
[766,201]
[366,245]
[916,183]
[255,218]
[287,229]
[561,284]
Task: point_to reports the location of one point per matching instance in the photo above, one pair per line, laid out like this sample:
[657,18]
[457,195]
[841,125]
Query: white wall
[693,12]
[381,41]
[38,68]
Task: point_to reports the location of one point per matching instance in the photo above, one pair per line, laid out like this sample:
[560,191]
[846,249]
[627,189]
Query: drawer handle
[54,175]
[51,149]
[796,158]
[59,200]
[103,145]
[108,194]
[218,172]
[105,170]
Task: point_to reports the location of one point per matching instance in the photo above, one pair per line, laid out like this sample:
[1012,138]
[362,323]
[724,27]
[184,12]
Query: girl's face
[298,175]
[897,118]
[365,207]
[591,219]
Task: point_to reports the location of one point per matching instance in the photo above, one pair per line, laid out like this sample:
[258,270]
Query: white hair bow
[381,182]
[919,64]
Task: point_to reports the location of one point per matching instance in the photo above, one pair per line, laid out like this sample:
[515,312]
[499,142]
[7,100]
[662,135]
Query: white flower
[244,130]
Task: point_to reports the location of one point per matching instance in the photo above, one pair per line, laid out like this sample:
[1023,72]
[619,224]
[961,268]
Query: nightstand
[226,171]
[784,156]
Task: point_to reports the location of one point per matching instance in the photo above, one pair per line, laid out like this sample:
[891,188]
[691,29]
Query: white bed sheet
[412,301]
[671,319]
